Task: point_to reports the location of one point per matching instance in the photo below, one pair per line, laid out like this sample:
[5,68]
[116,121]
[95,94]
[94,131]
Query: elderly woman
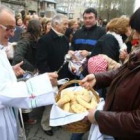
[120,117]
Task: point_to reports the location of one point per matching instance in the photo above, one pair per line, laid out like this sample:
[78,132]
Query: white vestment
[15,94]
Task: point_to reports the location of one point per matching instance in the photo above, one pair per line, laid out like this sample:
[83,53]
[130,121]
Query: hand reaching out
[53,78]
[88,82]
[84,53]
[18,70]
[123,55]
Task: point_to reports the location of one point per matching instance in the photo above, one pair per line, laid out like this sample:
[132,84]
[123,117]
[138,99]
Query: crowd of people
[40,45]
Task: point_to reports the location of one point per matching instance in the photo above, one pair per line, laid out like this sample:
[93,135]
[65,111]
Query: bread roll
[77,108]
[66,107]
[83,103]
[63,100]
[93,104]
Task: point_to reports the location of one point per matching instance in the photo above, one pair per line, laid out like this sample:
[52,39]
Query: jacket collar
[59,34]
[134,60]
[54,35]
[89,29]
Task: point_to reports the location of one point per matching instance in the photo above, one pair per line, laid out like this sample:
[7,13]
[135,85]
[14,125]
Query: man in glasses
[17,94]
[8,28]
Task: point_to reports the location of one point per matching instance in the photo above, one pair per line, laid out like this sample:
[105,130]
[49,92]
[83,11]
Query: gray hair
[58,18]
[5,8]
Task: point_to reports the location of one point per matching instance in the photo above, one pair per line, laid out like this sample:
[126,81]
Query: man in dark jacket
[87,37]
[52,48]
[85,40]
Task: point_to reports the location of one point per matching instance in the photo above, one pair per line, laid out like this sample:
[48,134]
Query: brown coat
[121,115]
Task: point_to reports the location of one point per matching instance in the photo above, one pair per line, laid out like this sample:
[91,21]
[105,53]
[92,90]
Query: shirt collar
[59,34]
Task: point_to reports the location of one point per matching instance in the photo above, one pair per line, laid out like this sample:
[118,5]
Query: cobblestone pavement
[35,132]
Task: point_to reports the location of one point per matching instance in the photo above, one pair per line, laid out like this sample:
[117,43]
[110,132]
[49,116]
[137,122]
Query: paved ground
[35,132]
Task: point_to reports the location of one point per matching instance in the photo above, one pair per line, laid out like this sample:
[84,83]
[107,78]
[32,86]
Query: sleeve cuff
[96,115]
[81,76]
[89,53]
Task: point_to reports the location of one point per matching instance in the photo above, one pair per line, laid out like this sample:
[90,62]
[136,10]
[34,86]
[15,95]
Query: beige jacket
[111,63]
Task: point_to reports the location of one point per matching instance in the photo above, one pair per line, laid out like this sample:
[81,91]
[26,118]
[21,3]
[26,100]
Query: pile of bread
[77,101]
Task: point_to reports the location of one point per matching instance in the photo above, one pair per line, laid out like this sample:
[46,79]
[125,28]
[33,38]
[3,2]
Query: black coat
[107,45]
[51,50]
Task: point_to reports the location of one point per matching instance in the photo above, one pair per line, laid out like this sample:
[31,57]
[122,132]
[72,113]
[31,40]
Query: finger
[53,75]
[86,85]
[19,64]
[17,73]
[56,75]
[81,83]
[84,80]
[54,82]
[21,72]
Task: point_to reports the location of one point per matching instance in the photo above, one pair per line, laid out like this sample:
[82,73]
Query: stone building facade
[41,7]
[15,5]
[48,8]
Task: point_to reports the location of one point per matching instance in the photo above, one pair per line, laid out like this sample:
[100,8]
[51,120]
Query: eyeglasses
[8,28]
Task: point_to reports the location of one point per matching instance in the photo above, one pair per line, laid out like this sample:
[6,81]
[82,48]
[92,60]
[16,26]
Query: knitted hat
[97,64]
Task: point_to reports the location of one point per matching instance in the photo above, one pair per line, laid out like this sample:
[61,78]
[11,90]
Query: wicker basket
[80,126]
